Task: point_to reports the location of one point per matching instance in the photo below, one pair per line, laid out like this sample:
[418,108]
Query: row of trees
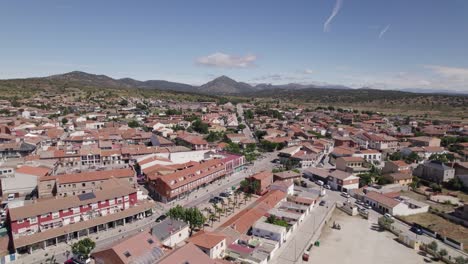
[225,208]
[192,216]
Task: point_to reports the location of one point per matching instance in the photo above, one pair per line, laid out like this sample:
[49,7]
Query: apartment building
[78,183]
[54,221]
[174,185]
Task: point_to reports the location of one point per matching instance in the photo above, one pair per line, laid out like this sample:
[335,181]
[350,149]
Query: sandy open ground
[358,241]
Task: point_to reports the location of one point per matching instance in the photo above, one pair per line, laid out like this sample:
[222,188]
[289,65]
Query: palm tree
[229,201]
[248,196]
[215,208]
[212,218]
[245,198]
[223,204]
[219,211]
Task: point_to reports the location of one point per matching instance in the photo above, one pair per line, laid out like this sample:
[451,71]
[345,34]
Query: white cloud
[435,77]
[453,74]
[308,71]
[336,9]
[383,31]
[222,60]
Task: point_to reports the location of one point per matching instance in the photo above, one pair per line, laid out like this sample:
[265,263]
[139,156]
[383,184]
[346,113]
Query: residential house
[435,171]
[264,179]
[212,243]
[171,232]
[353,165]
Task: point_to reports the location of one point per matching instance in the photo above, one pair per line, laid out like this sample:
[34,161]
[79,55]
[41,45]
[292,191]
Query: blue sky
[382,44]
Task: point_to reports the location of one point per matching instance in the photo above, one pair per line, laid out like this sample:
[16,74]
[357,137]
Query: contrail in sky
[383,31]
[336,9]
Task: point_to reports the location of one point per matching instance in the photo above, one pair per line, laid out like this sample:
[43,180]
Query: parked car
[304,184]
[11,197]
[319,182]
[224,194]
[359,202]
[215,200]
[322,203]
[388,216]
[326,186]
[161,218]
[345,194]
[416,230]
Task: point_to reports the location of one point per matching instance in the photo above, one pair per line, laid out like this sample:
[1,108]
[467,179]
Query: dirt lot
[358,241]
[419,197]
[440,225]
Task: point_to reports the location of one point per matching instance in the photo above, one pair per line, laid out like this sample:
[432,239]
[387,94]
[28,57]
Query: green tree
[133,123]
[460,260]
[123,102]
[455,184]
[435,187]
[83,247]
[395,156]
[443,252]
[64,121]
[177,212]
[195,218]
[233,148]
[433,246]
[240,127]
[200,127]
[385,222]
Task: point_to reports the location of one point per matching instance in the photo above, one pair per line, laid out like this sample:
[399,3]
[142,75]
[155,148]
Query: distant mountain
[298,86]
[105,81]
[224,85]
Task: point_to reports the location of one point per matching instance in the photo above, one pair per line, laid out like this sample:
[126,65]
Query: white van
[11,197]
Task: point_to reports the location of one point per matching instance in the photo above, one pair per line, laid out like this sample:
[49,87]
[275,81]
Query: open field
[419,197]
[440,225]
[359,242]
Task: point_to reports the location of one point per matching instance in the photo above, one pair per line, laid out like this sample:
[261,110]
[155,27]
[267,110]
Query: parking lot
[359,241]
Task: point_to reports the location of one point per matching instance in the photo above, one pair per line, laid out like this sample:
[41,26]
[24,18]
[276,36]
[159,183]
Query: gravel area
[358,241]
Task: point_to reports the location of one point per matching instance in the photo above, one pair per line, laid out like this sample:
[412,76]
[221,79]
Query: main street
[309,231]
[246,130]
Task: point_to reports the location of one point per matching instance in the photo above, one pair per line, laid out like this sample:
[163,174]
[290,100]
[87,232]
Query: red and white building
[53,221]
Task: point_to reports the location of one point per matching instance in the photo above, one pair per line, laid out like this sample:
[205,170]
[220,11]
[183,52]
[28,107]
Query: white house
[212,243]
[269,231]
[171,232]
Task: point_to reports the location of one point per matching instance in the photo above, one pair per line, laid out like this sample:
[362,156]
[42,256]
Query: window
[111,202]
[44,215]
[127,254]
[74,185]
[20,221]
[33,220]
[83,184]
[56,215]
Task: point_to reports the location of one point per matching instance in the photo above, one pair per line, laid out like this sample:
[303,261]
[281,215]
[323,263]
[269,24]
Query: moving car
[416,230]
[345,194]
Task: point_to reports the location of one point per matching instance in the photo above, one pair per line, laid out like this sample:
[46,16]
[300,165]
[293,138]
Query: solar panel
[86,196]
